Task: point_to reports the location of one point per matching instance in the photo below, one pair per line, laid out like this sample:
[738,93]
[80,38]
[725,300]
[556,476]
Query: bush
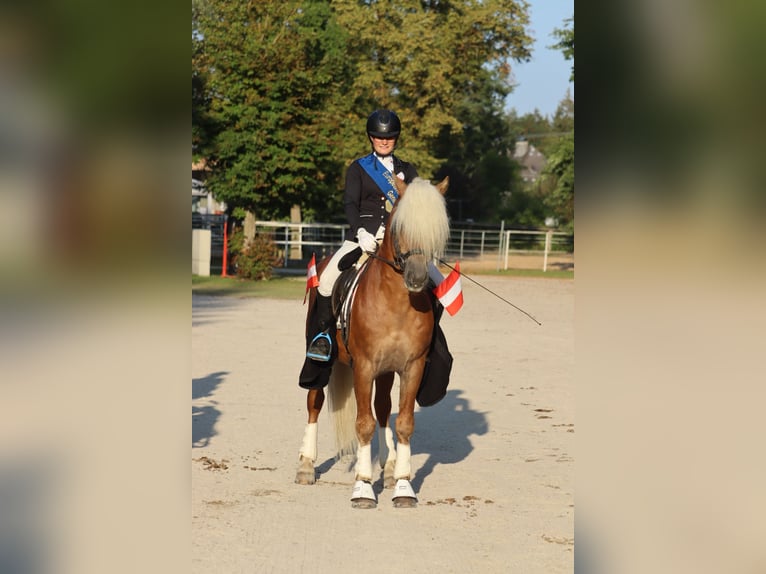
[255,260]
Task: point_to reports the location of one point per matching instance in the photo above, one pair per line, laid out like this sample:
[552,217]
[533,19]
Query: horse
[389,332]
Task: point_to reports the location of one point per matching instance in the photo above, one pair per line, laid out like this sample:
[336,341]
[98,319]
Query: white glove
[366,240]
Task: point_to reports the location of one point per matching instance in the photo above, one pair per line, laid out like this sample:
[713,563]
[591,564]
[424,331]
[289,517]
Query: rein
[392,264]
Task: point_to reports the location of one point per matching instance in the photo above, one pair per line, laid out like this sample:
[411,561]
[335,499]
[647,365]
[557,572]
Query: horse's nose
[415,278]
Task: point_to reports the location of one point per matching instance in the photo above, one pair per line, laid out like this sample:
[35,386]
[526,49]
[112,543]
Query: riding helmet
[383,124]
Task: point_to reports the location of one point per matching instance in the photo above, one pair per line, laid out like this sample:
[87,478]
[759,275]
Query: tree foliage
[559,175]
[281,92]
[565,36]
[559,170]
[271,72]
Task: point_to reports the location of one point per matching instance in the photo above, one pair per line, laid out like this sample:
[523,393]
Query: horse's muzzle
[415,275]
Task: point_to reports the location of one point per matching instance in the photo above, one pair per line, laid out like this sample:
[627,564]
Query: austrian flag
[450,291]
[311,276]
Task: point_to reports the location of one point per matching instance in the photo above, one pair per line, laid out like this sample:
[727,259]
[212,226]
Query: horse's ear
[400,185]
[443,185]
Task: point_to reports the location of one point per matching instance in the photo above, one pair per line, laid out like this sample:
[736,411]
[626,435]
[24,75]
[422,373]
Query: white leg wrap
[364,462]
[402,468]
[309,446]
[386,443]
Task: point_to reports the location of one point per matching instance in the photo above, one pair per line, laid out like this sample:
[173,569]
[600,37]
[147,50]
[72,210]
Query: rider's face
[383,146]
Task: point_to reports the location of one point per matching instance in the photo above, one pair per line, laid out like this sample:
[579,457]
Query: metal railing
[297,241]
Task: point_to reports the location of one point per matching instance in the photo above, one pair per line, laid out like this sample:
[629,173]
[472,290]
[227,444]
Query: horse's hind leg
[308,453]
[386,450]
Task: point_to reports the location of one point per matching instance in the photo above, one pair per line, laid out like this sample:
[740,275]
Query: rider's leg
[320,348]
[434,274]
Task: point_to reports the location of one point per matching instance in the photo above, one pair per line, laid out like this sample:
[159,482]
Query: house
[203,202]
[530,159]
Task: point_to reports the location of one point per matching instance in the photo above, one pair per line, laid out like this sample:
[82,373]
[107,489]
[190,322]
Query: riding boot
[320,348]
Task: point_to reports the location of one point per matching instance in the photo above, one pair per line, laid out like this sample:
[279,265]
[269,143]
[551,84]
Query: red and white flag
[311,276]
[450,291]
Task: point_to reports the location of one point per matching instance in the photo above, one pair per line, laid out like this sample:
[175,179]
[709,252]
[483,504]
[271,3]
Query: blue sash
[381,176]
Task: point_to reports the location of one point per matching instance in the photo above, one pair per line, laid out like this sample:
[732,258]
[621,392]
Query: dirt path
[493,461]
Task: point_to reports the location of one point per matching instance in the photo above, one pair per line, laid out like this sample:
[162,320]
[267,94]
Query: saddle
[345,287]
[315,374]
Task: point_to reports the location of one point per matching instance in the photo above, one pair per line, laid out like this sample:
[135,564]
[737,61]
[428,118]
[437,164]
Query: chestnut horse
[389,332]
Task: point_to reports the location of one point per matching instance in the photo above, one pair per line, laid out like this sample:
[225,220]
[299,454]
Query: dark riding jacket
[363,200]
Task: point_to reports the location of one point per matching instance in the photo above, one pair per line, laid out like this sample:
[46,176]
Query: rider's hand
[366,240]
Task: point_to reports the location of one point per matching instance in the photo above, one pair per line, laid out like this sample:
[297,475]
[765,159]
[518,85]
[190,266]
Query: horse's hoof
[405,502]
[304,478]
[363,495]
[363,503]
[306,473]
[404,496]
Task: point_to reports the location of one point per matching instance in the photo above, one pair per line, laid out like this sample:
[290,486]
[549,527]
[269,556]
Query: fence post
[547,249]
[462,240]
[287,245]
[500,244]
[507,248]
[225,255]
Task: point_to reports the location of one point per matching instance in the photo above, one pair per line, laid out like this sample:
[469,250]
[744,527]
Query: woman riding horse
[389,331]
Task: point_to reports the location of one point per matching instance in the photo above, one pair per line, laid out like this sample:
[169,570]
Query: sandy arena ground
[493,461]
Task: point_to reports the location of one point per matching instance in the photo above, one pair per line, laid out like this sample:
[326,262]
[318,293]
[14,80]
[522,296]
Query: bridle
[399,258]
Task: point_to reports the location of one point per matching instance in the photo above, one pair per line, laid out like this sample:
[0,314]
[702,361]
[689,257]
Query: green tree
[478,157]
[285,88]
[565,36]
[563,119]
[558,177]
[559,169]
[272,72]
[427,58]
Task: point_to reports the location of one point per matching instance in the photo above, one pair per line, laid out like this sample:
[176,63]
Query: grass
[554,274]
[295,287]
[274,288]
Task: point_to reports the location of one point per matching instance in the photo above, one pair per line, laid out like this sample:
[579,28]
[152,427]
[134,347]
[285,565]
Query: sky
[543,81]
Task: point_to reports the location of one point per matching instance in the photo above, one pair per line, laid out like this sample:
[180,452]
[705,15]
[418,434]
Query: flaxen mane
[421,218]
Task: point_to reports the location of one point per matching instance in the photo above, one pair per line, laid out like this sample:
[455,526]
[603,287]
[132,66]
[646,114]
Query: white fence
[296,241]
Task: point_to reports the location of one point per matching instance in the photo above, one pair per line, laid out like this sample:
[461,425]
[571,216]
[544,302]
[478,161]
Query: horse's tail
[343,408]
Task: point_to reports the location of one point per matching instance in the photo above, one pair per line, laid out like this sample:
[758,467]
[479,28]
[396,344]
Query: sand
[493,461]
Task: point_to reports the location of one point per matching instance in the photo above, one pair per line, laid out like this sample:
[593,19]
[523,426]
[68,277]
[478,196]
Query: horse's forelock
[421,218]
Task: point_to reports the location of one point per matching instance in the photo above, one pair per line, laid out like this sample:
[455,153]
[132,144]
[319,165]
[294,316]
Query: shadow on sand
[205,417]
[442,431]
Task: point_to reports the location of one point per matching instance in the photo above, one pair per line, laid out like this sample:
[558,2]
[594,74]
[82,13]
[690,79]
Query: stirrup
[317,354]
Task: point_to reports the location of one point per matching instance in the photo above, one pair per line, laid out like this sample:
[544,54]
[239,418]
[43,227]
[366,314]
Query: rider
[367,209]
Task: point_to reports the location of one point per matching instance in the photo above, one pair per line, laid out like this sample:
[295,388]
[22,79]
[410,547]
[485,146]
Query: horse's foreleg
[404,495]
[363,495]
[308,453]
[387,450]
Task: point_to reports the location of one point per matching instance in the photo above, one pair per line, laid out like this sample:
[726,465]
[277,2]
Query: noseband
[401,258]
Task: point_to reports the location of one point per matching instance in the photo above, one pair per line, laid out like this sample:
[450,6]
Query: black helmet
[383,124]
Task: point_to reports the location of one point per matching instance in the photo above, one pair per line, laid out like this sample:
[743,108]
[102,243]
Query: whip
[490,291]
